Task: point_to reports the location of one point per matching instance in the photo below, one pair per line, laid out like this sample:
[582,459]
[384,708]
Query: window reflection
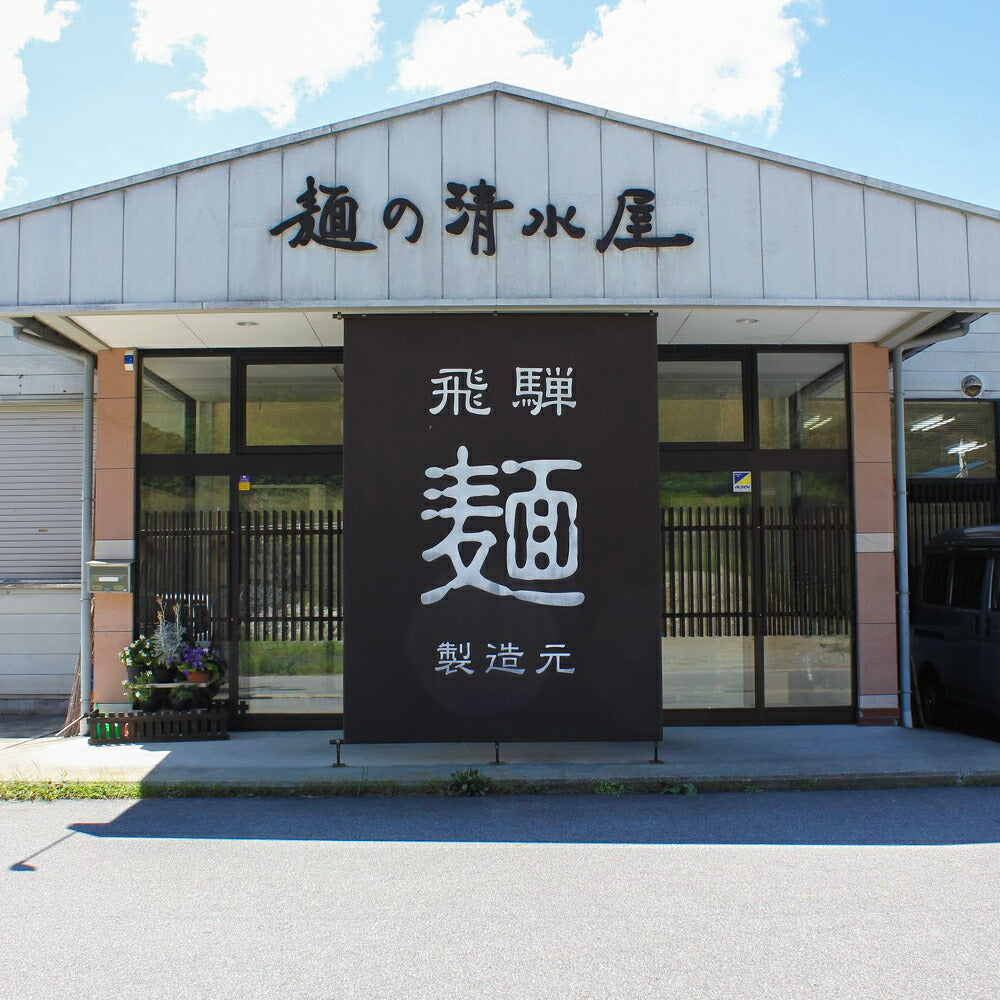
[700,401]
[185,405]
[950,440]
[802,401]
[294,404]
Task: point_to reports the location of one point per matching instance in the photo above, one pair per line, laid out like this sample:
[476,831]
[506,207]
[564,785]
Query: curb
[37,790]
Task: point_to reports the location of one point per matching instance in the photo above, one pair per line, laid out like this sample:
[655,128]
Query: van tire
[933,703]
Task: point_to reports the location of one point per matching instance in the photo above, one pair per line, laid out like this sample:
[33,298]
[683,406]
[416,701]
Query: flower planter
[197,676]
[164,675]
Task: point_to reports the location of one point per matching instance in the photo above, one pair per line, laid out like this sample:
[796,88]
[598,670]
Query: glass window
[182,495]
[294,404]
[967,581]
[935,582]
[185,406]
[950,440]
[701,401]
[801,400]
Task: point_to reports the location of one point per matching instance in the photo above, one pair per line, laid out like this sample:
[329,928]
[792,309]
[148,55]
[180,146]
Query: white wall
[937,372]
[39,644]
[764,231]
[27,371]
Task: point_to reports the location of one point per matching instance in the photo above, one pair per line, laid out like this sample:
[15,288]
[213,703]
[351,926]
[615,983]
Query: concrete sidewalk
[710,757]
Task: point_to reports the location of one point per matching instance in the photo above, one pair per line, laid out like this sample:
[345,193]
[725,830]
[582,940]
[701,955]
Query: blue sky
[903,90]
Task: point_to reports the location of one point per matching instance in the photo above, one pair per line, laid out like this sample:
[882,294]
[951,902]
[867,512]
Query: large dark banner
[501,528]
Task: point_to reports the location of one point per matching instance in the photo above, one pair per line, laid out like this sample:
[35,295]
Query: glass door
[290,649]
[807,605]
[708,559]
[757,536]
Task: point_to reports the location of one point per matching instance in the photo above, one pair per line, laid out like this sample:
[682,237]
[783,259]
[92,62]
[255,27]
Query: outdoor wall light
[972,385]
[746,321]
[247,322]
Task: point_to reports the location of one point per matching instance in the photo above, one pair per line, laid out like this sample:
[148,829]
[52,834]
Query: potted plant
[138,656]
[200,665]
[141,691]
[167,642]
[183,699]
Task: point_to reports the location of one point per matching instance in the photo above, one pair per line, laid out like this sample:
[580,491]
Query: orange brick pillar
[871,448]
[114,520]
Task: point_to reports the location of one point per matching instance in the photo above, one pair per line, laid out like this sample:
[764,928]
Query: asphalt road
[785,895]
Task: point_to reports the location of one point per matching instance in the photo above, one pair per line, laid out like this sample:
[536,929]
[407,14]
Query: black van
[955,622]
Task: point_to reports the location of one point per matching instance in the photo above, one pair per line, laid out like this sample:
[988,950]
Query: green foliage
[184,696]
[141,689]
[51,791]
[291,659]
[610,788]
[679,788]
[469,782]
[139,653]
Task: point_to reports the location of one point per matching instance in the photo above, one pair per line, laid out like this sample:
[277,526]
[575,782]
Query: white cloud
[692,63]
[258,55]
[23,21]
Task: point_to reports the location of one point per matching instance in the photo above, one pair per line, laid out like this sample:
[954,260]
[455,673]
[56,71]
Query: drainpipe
[31,332]
[951,329]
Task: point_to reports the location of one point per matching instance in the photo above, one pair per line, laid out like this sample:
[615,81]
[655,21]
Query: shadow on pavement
[914,816]
[985,727]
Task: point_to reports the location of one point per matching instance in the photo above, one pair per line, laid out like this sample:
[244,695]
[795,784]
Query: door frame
[748,455]
[240,460]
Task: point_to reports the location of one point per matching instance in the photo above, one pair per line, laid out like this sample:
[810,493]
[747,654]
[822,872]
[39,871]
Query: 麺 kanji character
[395,211]
[463,388]
[638,202]
[552,220]
[482,208]
[467,550]
[338,220]
[508,655]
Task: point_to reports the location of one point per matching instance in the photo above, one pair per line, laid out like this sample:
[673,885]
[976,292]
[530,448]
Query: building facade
[559,291]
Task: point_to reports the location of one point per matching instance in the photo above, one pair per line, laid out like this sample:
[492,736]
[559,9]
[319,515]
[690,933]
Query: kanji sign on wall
[502,561]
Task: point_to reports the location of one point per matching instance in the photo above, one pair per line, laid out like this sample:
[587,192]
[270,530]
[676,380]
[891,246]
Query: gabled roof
[816,255]
[518,92]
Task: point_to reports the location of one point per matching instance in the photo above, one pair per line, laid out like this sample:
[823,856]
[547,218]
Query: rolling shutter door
[40,470]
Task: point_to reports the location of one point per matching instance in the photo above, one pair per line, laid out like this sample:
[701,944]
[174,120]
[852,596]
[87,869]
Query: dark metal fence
[287,574]
[707,554]
[183,561]
[934,506]
[290,574]
[808,571]
[710,556]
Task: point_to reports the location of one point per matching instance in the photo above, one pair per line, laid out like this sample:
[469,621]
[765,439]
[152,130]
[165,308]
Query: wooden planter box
[159,727]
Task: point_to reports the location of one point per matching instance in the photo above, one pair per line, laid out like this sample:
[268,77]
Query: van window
[967,580]
[935,583]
